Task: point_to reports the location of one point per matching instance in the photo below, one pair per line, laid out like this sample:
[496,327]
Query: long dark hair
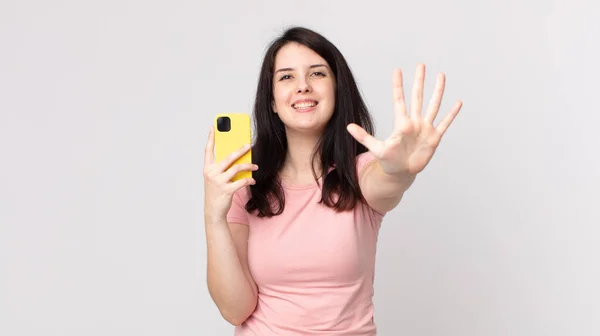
[336,147]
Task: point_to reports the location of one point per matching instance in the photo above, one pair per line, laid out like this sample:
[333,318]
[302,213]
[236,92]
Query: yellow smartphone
[232,131]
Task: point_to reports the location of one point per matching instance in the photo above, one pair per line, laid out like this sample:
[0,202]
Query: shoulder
[242,195]
[237,211]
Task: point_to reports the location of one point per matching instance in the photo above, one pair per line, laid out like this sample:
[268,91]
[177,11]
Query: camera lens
[223,124]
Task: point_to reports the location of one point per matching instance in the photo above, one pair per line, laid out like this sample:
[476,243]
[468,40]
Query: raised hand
[414,139]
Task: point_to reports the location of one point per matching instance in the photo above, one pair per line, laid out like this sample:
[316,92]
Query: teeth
[304,105]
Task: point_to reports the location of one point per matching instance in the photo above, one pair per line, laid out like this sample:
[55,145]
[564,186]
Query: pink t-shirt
[314,268]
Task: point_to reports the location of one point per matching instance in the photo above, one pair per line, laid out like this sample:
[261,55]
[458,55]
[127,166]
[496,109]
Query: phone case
[228,141]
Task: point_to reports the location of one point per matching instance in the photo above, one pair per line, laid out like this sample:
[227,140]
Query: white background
[104,112]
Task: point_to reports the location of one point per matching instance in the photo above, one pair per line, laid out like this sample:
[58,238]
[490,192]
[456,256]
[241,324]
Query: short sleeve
[237,212]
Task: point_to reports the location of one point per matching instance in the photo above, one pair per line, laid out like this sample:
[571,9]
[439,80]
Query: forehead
[294,55]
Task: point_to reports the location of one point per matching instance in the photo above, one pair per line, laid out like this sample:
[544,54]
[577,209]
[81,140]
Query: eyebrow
[311,67]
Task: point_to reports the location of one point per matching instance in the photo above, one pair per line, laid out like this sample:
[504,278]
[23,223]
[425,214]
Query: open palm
[414,139]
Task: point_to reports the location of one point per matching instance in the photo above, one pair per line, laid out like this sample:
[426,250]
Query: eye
[284,77]
[318,73]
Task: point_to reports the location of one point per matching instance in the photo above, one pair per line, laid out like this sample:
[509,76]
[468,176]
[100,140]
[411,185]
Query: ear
[273,106]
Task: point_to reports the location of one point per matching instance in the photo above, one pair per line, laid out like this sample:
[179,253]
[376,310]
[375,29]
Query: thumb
[373,145]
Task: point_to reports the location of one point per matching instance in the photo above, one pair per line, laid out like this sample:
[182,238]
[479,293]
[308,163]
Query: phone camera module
[223,124]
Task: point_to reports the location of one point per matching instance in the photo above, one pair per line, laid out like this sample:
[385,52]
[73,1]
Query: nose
[303,86]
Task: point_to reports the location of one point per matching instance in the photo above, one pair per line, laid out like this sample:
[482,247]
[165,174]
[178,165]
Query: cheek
[327,89]
[280,96]
[276,102]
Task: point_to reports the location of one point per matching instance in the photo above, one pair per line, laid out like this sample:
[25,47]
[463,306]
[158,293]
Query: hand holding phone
[232,167]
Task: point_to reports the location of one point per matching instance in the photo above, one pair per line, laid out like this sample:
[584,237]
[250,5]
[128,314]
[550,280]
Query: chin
[307,128]
[306,122]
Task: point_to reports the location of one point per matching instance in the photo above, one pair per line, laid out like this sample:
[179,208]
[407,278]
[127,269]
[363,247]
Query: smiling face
[303,89]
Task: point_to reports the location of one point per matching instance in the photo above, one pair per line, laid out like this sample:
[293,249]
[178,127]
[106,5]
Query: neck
[297,167]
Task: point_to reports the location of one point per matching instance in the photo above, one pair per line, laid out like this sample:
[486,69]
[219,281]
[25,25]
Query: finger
[230,173]
[364,138]
[209,155]
[230,159]
[445,123]
[436,99]
[417,92]
[398,96]
[235,186]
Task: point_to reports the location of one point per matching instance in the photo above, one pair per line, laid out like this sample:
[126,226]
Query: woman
[291,251]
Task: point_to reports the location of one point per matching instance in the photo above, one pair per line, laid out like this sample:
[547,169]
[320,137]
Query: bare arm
[383,192]
[229,281]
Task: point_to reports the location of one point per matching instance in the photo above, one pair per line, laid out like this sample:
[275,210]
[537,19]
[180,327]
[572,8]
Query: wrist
[401,180]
